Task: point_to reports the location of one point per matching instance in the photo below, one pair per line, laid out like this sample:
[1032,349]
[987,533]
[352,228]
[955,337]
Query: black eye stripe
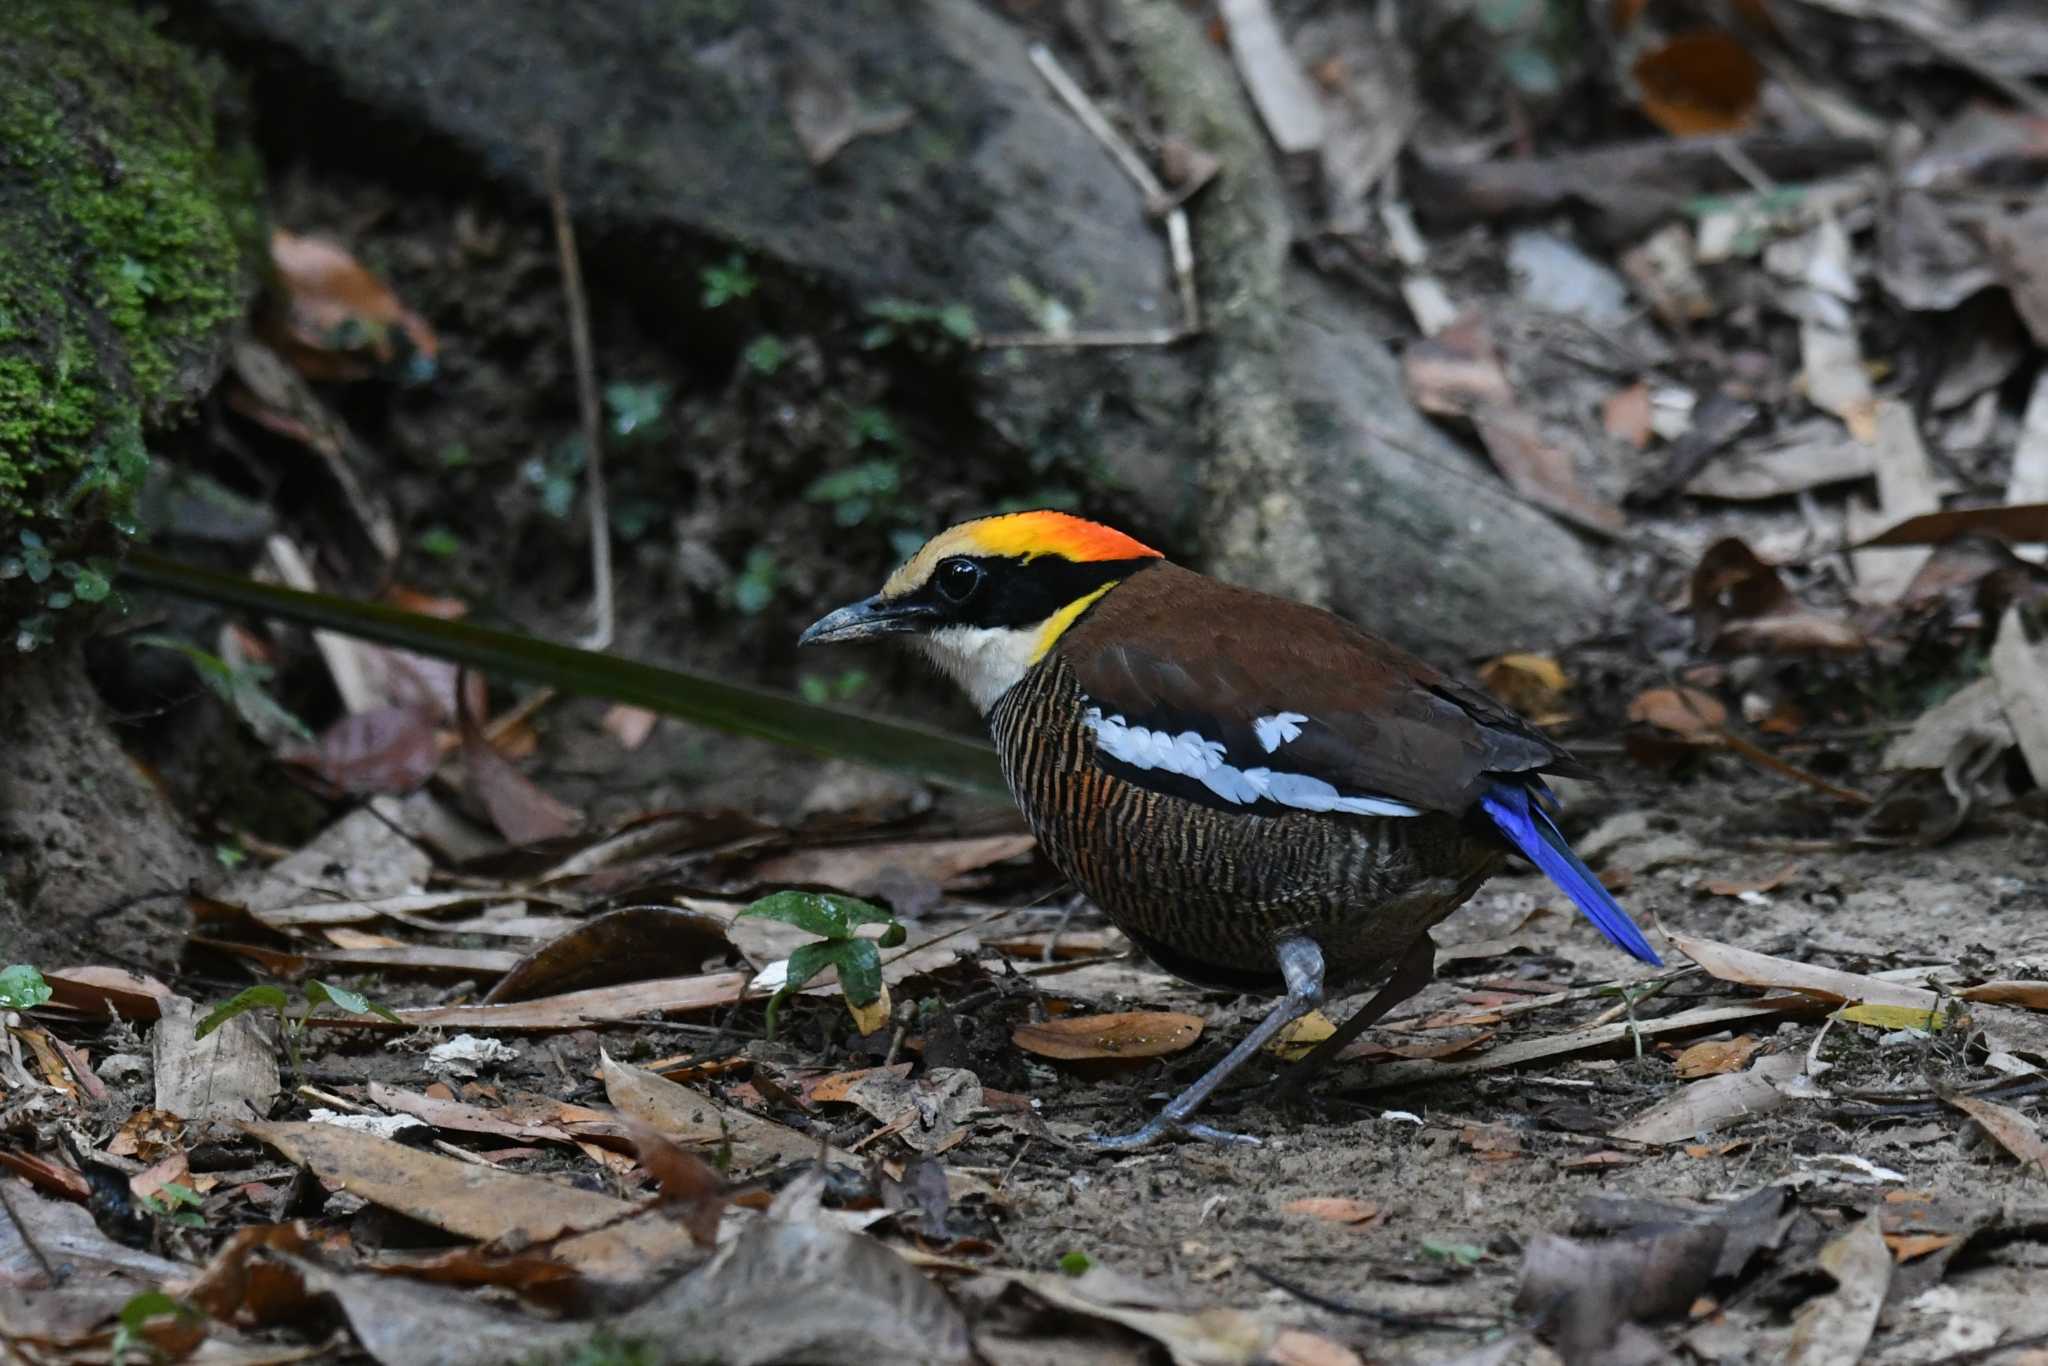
[1016,592]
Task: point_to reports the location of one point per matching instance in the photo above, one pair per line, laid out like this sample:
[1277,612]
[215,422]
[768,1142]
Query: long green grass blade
[734,707]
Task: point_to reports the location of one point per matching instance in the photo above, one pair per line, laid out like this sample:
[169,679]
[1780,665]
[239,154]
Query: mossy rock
[129,232]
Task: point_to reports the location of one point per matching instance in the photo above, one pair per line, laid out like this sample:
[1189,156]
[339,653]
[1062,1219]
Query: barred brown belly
[1208,892]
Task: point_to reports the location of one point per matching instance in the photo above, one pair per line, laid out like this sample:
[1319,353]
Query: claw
[1159,1127]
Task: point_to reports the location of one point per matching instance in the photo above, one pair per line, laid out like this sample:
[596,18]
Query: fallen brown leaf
[388,749]
[1750,968]
[340,322]
[1135,1034]
[2020,523]
[617,947]
[1695,716]
[1625,414]
[1715,1056]
[1699,83]
[1458,372]
[1337,1209]
[1907,1246]
[1741,605]
[629,725]
[2030,994]
[1531,684]
[1835,1328]
[1737,886]
[519,809]
[2014,1131]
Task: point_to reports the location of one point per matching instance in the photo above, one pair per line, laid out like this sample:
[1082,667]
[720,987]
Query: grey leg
[1415,971]
[1301,966]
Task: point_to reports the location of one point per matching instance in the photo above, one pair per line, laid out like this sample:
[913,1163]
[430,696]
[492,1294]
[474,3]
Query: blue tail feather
[1524,817]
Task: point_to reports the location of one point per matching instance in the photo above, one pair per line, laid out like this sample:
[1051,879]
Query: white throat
[986,661]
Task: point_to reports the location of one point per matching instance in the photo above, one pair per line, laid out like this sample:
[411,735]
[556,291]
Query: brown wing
[1239,699]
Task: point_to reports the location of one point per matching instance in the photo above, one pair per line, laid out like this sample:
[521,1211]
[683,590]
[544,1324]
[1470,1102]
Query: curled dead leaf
[1337,1209]
[1741,605]
[1694,716]
[1131,1034]
[337,321]
[1531,684]
[1698,84]
[872,1016]
[1716,1056]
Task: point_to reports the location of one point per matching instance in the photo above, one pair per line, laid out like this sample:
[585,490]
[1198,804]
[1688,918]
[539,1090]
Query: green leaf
[825,914]
[1075,1263]
[22,987]
[807,962]
[1458,1254]
[733,707]
[355,1003]
[439,542]
[241,689]
[255,998]
[138,1311]
[765,354]
[636,408]
[860,967]
[869,479]
[958,319]
[172,1193]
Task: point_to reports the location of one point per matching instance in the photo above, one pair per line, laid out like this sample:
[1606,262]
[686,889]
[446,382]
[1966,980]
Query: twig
[1392,1318]
[28,1239]
[1153,336]
[1180,244]
[1745,166]
[601,614]
[1763,758]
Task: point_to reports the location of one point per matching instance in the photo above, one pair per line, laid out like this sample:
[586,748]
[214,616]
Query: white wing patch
[1276,730]
[1192,755]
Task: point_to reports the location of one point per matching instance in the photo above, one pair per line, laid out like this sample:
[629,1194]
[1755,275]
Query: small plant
[638,410]
[606,1350]
[90,582]
[439,542]
[136,1316]
[1452,1254]
[858,491]
[835,920]
[923,327]
[842,687]
[241,688]
[1075,1263]
[765,354]
[755,588]
[22,987]
[557,475]
[727,281]
[292,1029]
[176,1204]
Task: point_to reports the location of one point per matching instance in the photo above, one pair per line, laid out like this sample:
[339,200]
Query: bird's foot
[1161,1127]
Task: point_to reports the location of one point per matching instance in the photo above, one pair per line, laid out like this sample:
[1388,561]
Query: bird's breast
[1208,891]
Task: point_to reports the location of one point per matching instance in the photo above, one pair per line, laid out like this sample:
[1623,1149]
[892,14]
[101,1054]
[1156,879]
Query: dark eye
[957,579]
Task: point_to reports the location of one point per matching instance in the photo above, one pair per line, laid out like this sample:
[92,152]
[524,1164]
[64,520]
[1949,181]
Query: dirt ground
[1474,1187]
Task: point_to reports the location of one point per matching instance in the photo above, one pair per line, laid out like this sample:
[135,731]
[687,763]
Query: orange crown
[1028,535]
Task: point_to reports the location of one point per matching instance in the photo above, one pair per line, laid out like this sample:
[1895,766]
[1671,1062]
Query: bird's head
[986,599]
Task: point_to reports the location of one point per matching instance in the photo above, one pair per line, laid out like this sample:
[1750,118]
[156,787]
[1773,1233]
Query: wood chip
[1284,96]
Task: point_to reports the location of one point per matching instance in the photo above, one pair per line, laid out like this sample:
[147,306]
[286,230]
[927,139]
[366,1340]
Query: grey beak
[865,619]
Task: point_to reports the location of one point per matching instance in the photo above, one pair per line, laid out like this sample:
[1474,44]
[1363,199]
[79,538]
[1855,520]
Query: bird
[1261,796]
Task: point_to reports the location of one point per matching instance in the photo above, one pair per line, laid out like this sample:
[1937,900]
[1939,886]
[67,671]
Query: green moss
[126,248]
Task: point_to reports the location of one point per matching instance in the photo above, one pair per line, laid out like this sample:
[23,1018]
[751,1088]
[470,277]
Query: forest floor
[1813,1136]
